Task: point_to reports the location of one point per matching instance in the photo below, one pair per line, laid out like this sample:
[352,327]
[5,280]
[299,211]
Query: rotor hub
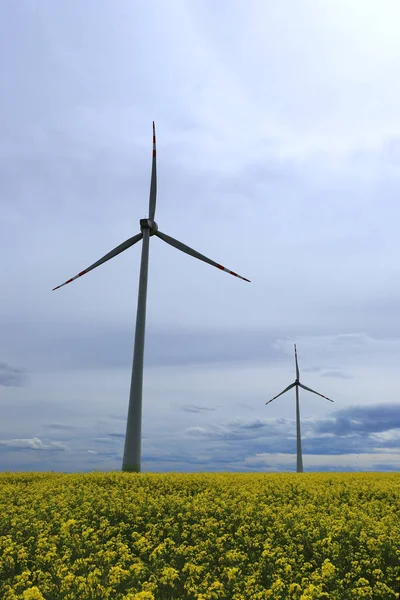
[148,224]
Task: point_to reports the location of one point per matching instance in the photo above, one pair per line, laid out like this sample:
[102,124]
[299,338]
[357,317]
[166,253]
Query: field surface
[199,536]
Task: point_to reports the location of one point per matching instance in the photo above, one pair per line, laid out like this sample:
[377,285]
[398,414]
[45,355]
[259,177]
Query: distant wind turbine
[289,387]
[132,450]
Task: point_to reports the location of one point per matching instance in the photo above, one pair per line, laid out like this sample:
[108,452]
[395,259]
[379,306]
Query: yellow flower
[33,593]
[168,576]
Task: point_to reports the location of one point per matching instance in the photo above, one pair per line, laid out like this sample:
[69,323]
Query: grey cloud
[349,432]
[191,408]
[239,429]
[60,426]
[29,412]
[252,424]
[105,440]
[11,376]
[108,454]
[312,369]
[349,444]
[323,372]
[362,420]
[385,467]
[220,447]
[337,375]
[81,345]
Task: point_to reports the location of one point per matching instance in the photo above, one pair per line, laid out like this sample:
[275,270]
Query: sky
[278,155]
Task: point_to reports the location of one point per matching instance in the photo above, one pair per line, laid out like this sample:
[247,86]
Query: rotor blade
[297,364]
[289,387]
[314,392]
[153,184]
[117,250]
[176,244]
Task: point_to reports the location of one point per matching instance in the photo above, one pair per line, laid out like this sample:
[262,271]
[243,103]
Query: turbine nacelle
[148,224]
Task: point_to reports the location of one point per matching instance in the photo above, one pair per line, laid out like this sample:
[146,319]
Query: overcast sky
[278,147]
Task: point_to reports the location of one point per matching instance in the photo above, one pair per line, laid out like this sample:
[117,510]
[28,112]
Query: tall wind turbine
[148,228]
[297,384]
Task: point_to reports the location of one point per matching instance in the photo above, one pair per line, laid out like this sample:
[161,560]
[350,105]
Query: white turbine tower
[148,227]
[289,387]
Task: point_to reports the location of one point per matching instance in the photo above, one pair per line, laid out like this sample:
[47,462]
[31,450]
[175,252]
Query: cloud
[350,431]
[253,423]
[191,408]
[362,420]
[33,444]
[341,463]
[336,374]
[241,429]
[60,426]
[198,431]
[11,376]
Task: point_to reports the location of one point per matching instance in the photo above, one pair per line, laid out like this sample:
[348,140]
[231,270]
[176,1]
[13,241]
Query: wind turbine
[148,228]
[289,387]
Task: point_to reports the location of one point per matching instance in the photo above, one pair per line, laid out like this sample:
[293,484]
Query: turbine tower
[297,384]
[148,228]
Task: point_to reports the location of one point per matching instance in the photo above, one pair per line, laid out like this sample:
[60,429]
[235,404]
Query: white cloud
[33,444]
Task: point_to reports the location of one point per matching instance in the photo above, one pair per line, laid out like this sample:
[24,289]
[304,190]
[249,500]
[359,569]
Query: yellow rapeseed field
[199,536]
